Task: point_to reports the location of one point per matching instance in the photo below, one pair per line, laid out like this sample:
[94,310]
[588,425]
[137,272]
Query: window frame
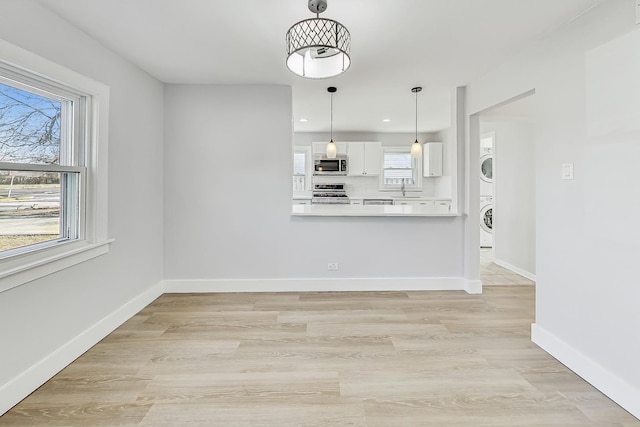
[307,175]
[22,266]
[416,169]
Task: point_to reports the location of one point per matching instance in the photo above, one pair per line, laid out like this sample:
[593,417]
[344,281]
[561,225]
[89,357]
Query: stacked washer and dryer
[486,191]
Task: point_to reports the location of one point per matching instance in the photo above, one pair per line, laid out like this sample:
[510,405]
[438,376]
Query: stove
[329,194]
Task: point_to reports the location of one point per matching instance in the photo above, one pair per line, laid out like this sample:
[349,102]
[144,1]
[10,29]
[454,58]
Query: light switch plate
[567,171]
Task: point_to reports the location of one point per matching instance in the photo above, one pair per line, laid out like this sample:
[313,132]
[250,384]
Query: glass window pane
[397,160]
[398,168]
[299,163]
[37,207]
[29,127]
[395,177]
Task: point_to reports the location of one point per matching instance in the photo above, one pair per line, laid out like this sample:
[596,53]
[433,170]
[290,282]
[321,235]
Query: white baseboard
[319,285]
[473,286]
[620,391]
[25,383]
[515,269]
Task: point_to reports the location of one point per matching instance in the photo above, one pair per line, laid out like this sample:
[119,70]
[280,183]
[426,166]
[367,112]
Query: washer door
[486,218]
[486,168]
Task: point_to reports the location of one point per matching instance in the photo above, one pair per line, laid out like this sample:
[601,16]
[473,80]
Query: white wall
[588,242]
[228,201]
[41,316]
[514,201]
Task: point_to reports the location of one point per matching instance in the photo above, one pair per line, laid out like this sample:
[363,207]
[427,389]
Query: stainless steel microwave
[325,166]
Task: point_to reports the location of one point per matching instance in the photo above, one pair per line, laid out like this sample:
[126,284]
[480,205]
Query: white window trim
[417,187]
[23,268]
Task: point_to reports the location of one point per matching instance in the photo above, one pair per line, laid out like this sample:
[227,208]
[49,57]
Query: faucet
[402,187]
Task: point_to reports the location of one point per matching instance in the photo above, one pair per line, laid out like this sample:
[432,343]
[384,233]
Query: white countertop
[368,210]
[399,198]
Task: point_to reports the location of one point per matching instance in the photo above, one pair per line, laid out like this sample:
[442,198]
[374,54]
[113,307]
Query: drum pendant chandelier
[318,48]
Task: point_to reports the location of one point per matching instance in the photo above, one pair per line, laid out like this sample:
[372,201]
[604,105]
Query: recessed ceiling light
[304,120]
[386,120]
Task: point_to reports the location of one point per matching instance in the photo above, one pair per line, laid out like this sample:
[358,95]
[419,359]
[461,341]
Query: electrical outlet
[333,266]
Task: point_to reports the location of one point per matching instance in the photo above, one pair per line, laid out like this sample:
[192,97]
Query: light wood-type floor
[493,274]
[323,359]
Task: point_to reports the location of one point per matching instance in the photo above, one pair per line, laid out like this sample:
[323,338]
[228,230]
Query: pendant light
[332,150]
[416,147]
[318,48]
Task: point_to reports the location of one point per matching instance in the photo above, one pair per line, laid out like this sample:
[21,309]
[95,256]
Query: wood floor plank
[325,411]
[476,409]
[442,358]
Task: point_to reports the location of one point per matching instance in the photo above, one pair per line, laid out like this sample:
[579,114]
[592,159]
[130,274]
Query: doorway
[507,192]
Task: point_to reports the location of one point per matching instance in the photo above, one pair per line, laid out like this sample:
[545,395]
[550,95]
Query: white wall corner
[317,285]
[26,382]
[620,391]
[473,286]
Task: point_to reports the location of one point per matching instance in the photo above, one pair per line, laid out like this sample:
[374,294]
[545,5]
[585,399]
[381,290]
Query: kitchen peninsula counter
[369,210]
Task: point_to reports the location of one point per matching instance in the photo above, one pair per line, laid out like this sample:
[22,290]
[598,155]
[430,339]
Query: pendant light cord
[331,124]
[416,115]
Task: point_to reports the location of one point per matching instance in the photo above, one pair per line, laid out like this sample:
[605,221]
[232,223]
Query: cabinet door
[443,205]
[365,158]
[425,204]
[301,201]
[432,159]
[355,151]
[372,158]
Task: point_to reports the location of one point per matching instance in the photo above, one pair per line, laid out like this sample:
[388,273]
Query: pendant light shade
[332,149]
[318,48]
[416,147]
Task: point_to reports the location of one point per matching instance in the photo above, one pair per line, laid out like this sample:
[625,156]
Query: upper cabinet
[320,148]
[365,158]
[432,159]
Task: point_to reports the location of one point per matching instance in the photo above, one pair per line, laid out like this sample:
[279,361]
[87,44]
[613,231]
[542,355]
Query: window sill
[28,267]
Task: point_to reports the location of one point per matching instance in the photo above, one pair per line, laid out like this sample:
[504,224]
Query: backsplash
[368,187]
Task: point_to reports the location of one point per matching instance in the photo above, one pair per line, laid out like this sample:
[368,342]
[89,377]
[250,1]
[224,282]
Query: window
[53,197]
[398,168]
[301,169]
[41,167]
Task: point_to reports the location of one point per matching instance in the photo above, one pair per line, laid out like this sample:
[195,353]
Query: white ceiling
[396,44]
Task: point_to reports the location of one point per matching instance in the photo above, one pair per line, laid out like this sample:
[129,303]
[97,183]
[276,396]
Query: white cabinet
[427,204]
[301,201]
[365,158]
[432,159]
[320,148]
[442,205]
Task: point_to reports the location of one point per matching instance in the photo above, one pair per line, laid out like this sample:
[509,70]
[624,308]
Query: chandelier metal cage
[318,48]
